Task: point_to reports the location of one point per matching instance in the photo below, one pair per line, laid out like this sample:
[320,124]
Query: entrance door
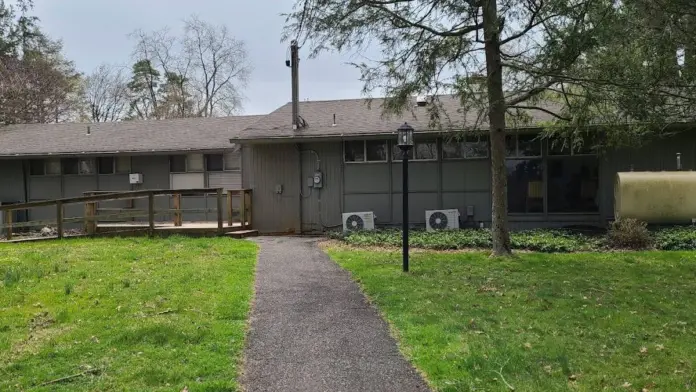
[321,203]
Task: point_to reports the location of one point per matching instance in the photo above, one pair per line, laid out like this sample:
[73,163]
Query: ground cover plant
[625,236]
[124,314]
[538,322]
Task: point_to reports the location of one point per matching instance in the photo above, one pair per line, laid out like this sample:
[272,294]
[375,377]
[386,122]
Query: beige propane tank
[656,197]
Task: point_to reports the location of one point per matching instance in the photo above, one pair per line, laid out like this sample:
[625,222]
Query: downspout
[299,194]
[25,177]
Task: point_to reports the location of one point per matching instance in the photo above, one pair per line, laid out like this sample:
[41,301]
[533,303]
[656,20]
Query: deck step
[243,233]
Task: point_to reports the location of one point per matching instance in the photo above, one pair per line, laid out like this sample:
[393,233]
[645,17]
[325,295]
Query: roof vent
[421,100]
[89,130]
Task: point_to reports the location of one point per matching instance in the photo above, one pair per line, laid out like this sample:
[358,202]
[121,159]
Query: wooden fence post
[8,224]
[247,204]
[90,217]
[230,209]
[151,213]
[220,220]
[242,208]
[178,218]
[59,218]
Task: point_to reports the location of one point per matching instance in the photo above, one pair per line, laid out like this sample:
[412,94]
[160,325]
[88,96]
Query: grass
[124,314]
[539,322]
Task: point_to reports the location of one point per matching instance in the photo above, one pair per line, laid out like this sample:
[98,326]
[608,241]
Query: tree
[205,68]
[106,94]
[527,50]
[37,84]
[144,90]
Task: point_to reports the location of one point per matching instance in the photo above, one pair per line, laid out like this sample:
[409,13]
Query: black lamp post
[405,143]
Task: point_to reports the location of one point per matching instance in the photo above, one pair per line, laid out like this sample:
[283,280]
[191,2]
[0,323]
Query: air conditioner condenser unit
[354,221]
[442,220]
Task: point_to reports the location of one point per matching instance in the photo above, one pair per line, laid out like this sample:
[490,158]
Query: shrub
[629,233]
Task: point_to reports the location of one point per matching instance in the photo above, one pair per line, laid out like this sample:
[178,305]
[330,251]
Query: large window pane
[397,154]
[354,151]
[376,150]
[528,146]
[71,166]
[511,146]
[452,149]
[476,147]
[53,167]
[177,163]
[573,184]
[87,167]
[36,167]
[214,162]
[525,190]
[106,165]
[426,149]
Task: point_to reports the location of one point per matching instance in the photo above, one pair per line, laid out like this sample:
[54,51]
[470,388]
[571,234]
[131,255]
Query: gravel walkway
[312,329]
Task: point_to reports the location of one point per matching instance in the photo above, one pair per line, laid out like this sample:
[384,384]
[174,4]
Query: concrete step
[243,233]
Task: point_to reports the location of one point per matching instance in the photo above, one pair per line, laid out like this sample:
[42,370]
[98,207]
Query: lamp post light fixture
[405,143]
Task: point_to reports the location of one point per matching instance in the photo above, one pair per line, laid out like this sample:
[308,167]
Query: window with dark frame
[525,185]
[37,167]
[365,151]
[354,151]
[214,162]
[471,147]
[71,166]
[423,150]
[573,184]
[177,163]
[106,165]
[86,166]
[376,150]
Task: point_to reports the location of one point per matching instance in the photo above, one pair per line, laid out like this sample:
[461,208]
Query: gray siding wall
[263,168]
[440,184]
[321,207]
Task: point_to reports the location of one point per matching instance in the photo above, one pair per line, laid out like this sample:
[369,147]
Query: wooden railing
[91,209]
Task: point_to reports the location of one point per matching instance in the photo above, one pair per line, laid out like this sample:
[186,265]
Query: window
[469,148]
[37,167]
[525,145]
[233,160]
[44,167]
[376,150]
[559,146]
[123,164]
[365,151]
[214,162]
[525,189]
[71,166]
[573,183]
[177,163]
[107,165]
[424,150]
[86,167]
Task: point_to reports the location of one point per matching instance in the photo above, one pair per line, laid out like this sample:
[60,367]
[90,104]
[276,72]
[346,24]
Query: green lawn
[540,322]
[128,314]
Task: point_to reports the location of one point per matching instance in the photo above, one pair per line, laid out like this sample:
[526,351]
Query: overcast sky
[95,32]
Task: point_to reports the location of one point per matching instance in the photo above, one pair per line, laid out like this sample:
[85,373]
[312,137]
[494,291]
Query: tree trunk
[496,119]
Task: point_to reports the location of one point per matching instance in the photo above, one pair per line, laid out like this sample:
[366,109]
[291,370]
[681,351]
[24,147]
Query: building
[51,161]
[352,145]
[349,142]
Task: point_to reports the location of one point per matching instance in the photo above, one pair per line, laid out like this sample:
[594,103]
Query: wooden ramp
[147,219]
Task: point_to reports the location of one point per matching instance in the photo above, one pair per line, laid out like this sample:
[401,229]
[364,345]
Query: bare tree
[106,93]
[221,67]
[204,70]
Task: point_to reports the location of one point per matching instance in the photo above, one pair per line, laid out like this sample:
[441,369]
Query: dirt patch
[41,330]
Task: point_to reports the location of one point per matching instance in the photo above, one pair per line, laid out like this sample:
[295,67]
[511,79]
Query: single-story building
[349,142]
[353,145]
[51,161]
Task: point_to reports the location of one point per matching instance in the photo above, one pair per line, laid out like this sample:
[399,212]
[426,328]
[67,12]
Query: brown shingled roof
[362,117]
[126,136]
